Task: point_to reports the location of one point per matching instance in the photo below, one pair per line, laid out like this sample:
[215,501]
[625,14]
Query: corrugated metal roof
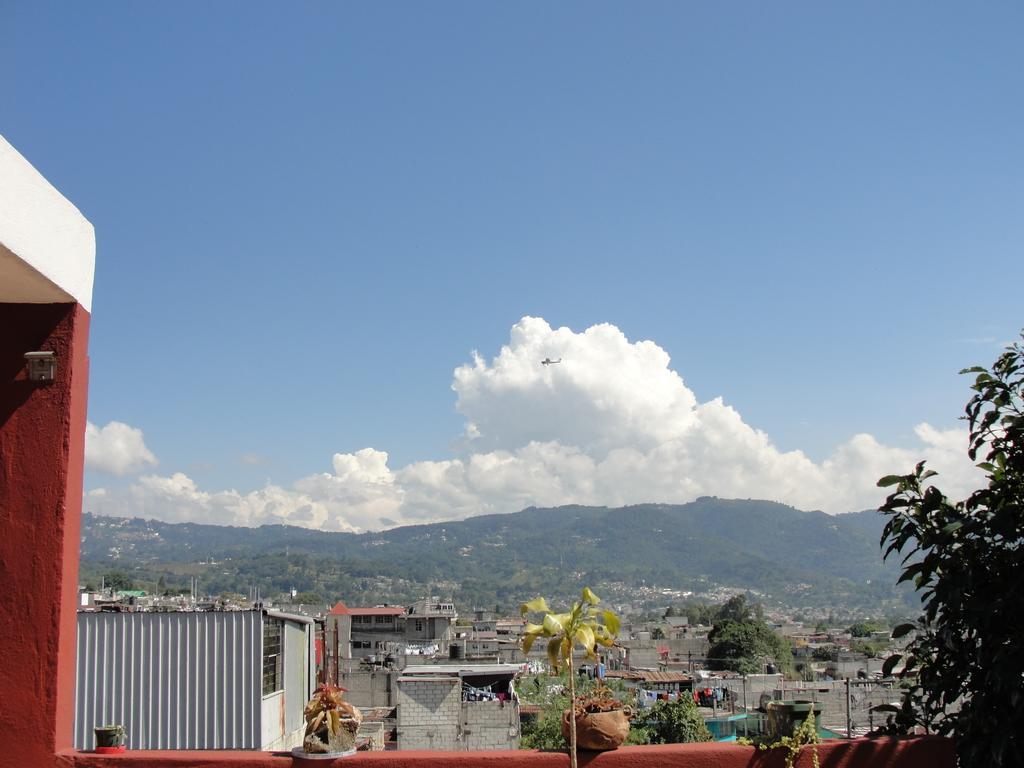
[383,610]
[289,617]
[429,679]
[665,677]
[461,670]
[648,676]
[389,611]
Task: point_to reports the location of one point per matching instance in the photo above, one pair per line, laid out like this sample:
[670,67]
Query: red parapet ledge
[917,752]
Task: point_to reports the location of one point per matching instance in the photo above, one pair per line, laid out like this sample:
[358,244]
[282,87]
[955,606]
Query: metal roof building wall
[174,680]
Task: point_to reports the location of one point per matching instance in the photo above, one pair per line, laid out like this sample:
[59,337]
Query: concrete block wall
[429,713]
[755,685]
[830,694]
[367,688]
[645,657]
[490,725]
[698,646]
[832,697]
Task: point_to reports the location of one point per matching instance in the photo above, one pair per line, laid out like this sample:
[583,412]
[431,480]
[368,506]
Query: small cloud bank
[116,449]
[177,499]
[611,424]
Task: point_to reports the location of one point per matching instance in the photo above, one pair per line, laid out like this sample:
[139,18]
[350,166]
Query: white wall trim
[47,247]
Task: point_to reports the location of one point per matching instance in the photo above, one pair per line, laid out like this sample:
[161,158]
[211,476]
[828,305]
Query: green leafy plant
[673,722]
[806,734]
[965,663]
[584,625]
[545,730]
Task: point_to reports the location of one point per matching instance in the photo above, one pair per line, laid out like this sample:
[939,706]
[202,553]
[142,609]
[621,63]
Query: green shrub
[672,722]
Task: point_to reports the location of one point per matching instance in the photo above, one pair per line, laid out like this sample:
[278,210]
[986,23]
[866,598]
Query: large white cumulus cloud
[606,393]
[611,424]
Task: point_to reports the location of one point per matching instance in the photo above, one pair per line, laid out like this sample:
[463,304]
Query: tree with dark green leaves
[746,647]
[736,608]
[118,580]
[863,628]
[699,613]
[965,664]
[825,653]
[870,648]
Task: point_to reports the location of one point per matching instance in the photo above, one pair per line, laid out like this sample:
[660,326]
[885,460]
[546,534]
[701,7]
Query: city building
[374,634]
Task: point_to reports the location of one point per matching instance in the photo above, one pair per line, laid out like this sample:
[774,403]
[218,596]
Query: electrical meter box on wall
[41,365]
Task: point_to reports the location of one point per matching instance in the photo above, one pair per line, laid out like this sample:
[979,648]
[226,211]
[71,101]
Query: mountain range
[641,555]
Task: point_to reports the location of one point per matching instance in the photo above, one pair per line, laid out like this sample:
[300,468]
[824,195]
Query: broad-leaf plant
[585,626]
[965,663]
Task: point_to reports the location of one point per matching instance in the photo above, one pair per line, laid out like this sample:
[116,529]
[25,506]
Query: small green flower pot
[110,738]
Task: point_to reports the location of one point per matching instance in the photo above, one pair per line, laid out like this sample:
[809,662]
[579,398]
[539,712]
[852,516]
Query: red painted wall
[42,448]
[923,752]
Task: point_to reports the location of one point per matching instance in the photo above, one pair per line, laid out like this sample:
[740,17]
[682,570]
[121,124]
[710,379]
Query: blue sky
[308,215]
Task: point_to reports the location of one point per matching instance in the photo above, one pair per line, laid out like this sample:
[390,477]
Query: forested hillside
[790,557]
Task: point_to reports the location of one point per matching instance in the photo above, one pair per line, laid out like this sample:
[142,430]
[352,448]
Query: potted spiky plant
[604,720]
[331,724]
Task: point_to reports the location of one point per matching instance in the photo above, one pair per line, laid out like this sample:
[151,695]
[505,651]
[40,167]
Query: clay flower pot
[599,731]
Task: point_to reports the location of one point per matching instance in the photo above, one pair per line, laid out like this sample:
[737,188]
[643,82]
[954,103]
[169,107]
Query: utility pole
[849,718]
[746,712]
